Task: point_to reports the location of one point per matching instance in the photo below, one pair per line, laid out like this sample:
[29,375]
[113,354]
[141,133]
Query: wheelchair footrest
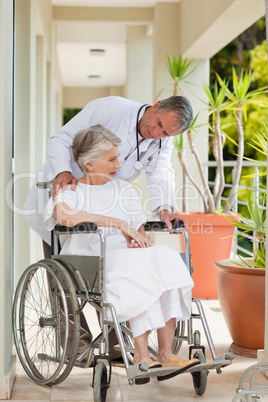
[135,371]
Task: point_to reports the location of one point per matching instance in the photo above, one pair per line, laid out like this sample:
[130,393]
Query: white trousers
[171,304]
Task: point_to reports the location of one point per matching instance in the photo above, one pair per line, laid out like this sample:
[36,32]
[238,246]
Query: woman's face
[106,168]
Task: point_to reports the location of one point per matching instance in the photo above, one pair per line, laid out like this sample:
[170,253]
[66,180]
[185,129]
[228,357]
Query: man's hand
[61,181]
[168,217]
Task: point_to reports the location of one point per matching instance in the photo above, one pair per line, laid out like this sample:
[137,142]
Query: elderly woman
[149,286]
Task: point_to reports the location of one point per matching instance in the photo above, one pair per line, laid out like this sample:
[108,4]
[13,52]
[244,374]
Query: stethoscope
[138,165]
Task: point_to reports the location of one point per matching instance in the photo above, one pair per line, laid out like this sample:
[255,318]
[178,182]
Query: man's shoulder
[113,102]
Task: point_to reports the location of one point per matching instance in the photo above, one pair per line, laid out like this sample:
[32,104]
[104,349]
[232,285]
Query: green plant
[256,224]
[221,99]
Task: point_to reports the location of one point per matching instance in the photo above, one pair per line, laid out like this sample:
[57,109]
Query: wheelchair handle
[154,226]
[42,185]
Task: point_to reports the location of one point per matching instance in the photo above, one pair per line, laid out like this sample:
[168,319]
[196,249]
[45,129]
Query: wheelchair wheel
[200,377]
[100,383]
[41,323]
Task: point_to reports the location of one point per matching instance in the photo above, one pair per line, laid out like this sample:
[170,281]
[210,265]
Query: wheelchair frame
[64,281]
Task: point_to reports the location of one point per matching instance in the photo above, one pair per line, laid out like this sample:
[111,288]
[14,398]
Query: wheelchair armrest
[154,226]
[85,227]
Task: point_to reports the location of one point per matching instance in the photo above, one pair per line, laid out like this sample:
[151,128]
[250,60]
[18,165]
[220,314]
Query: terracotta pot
[242,299]
[210,241]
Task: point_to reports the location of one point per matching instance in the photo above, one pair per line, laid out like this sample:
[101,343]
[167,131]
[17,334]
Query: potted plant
[209,231]
[242,280]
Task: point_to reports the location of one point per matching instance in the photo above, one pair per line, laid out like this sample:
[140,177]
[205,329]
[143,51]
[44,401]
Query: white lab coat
[118,115]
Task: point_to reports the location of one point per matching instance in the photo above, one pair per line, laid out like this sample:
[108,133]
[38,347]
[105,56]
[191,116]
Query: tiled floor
[219,388]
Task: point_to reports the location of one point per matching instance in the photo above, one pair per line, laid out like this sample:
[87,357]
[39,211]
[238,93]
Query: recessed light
[97,52]
[94,76]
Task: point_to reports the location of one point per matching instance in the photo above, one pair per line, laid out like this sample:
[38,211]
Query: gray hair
[89,145]
[182,111]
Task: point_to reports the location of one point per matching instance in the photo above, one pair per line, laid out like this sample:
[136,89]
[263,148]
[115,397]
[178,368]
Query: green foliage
[217,97]
[178,68]
[256,223]
[68,114]
[258,64]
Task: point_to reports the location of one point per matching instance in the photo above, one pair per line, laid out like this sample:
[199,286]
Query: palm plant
[259,143]
[256,223]
[178,70]
[221,99]
[241,97]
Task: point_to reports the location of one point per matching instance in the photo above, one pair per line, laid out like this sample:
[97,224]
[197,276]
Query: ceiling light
[94,76]
[97,52]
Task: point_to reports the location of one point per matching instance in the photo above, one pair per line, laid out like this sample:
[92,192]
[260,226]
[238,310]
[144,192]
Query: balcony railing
[257,191]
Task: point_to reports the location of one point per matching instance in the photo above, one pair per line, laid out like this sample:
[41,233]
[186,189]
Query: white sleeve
[69,197]
[161,181]
[131,205]
[98,111]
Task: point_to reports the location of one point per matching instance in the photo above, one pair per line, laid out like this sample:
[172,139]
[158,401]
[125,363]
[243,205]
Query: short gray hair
[89,145]
[182,109]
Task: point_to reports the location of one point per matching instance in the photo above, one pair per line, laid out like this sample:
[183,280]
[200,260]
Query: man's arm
[161,180]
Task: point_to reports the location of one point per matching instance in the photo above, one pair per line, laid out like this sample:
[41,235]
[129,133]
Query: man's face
[157,125]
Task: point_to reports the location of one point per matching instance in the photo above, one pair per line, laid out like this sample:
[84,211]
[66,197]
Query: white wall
[6,219]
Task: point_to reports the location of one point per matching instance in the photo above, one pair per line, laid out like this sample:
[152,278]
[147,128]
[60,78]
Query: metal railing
[256,190]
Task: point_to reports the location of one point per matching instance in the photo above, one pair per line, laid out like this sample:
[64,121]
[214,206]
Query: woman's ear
[89,166]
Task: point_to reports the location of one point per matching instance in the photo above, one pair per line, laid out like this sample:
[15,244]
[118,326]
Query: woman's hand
[133,238]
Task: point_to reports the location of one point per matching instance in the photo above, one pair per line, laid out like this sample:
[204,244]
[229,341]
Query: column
[139,85]
[168,41]
[25,158]
[7,366]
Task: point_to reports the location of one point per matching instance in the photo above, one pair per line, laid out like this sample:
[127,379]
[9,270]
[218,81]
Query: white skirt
[138,282]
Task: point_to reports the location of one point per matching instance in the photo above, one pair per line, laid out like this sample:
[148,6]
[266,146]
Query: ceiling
[109,3]
[81,68]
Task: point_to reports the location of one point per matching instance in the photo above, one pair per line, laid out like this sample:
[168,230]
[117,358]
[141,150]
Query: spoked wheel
[100,383]
[45,302]
[200,377]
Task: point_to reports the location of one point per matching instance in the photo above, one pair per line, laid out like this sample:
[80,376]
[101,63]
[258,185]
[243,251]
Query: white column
[194,93]
[168,41]
[139,85]
[7,372]
[25,158]
[40,120]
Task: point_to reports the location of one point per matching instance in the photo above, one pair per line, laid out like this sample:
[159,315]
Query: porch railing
[257,191]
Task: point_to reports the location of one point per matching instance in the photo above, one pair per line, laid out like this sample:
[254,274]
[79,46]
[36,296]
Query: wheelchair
[46,320]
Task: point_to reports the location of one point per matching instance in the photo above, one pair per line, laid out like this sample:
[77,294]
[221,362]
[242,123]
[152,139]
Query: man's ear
[156,105]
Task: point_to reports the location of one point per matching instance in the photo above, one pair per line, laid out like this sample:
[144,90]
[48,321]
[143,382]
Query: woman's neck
[85,180]
[89,180]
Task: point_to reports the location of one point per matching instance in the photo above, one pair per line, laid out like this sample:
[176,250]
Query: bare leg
[141,347]
[165,337]
[165,355]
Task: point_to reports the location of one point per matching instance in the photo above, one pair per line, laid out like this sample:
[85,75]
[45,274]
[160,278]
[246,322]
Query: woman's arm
[142,232]
[70,217]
